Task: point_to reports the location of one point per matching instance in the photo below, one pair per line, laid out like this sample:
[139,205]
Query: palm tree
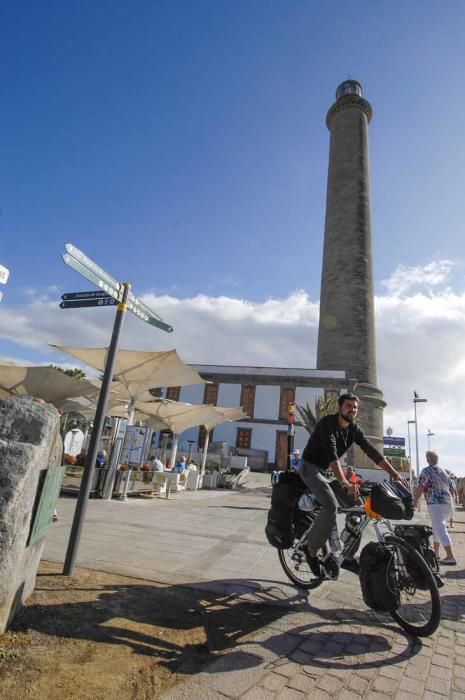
[76,372]
[323,407]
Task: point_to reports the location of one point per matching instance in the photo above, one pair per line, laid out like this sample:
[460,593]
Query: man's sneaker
[315,566]
[448,561]
[351,565]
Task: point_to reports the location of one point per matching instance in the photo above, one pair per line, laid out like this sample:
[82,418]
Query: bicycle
[415,580]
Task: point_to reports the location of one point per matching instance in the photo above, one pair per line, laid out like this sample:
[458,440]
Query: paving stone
[440,672]
[289,694]
[439,660]
[286,668]
[302,682]
[357,683]
[329,683]
[459,672]
[411,685]
[193,691]
[259,693]
[273,681]
[386,685]
[417,672]
[310,647]
[392,672]
[348,695]
[437,685]
[300,657]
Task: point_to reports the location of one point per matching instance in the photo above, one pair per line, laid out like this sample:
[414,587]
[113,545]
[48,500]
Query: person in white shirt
[157,465]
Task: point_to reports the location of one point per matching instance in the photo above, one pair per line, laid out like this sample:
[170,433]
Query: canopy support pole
[174,450]
[205,450]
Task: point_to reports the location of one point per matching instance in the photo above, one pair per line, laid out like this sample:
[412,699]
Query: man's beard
[349,418]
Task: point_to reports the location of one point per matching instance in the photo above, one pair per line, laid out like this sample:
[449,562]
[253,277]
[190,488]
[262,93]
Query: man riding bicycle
[330,439]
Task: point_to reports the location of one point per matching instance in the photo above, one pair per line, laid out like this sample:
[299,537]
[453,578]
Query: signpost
[4,274]
[111,292]
[81,303]
[400,441]
[71,296]
[394,452]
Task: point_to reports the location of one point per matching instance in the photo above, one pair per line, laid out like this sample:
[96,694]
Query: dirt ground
[96,635]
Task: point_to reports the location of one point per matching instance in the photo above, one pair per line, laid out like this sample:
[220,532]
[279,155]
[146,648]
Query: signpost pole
[81,506]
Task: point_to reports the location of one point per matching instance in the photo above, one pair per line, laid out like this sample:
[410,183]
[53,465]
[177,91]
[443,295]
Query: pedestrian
[435,484]
[157,464]
[453,493]
[180,465]
[296,462]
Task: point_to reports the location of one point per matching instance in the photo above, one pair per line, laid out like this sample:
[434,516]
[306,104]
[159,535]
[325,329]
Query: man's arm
[377,458]
[352,489]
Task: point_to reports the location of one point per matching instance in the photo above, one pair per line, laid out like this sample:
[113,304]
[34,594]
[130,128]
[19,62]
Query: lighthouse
[346,333]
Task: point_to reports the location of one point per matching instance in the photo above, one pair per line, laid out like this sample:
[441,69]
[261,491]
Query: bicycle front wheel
[419,610]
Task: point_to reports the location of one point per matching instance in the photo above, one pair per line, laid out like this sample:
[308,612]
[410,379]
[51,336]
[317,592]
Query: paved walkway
[324,644]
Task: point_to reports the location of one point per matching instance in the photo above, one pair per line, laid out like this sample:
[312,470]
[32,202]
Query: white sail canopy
[177,416]
[138,371]
[45,383]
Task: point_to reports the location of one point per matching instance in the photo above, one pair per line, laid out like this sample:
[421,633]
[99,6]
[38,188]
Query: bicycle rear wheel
[296,568]
[419,610]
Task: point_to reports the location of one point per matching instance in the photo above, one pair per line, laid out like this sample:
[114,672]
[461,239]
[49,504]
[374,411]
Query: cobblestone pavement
[332,646]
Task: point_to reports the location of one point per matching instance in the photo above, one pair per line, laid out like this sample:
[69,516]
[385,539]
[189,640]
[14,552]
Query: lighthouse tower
[346,334]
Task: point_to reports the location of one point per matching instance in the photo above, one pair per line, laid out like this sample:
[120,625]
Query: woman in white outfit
[435,484]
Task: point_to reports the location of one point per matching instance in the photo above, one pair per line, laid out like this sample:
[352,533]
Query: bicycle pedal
[331,568]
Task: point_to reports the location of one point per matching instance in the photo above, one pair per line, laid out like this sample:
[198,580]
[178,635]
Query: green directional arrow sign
[81,303]
[70,296]
[146,314]
[93,267]
[92,276]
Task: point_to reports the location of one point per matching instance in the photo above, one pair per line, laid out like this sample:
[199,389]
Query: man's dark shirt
[329,441]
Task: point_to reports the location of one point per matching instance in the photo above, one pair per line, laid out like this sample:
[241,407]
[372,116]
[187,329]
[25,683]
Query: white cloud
[420,344]
[404,278]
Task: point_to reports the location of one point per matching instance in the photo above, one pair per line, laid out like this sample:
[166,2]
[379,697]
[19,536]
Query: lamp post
[409,423]
[430,435]
[417,399]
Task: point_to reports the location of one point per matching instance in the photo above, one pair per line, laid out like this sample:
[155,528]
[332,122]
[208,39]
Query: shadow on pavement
[148,618]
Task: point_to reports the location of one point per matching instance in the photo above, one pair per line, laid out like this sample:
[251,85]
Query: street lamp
[409,423]
[417,399]
[430,435]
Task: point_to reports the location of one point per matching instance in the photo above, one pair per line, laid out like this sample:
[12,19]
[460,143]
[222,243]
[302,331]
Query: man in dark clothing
[331,438]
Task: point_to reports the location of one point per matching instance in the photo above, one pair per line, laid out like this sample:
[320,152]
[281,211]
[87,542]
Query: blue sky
[183,146]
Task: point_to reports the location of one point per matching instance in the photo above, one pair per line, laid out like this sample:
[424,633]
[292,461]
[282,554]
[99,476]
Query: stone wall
[29,441]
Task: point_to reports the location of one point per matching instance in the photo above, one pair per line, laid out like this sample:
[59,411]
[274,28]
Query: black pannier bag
[377,578]
[392,501]
[419,537]
[287,489]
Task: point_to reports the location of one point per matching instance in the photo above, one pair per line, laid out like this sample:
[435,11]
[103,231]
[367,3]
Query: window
[210,395]
[202,436]
[287,395]
[172,393]
[248,399]
[244,438]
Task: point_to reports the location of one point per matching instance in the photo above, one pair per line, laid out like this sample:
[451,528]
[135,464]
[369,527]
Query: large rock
[29,441]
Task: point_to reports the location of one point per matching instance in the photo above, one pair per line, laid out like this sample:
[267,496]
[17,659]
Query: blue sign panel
[399,441]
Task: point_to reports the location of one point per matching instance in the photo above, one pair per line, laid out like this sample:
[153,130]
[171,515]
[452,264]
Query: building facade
[265,394]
